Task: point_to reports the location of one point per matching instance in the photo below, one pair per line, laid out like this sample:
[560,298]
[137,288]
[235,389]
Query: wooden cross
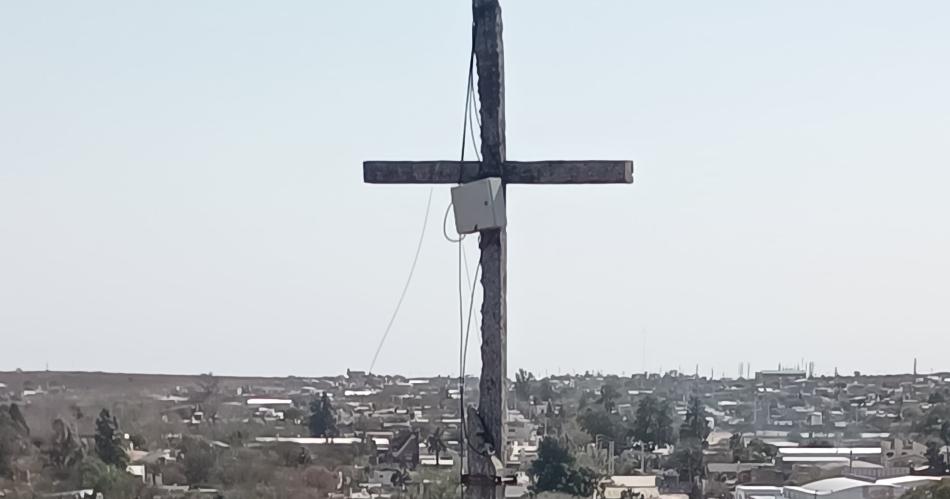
[492,405]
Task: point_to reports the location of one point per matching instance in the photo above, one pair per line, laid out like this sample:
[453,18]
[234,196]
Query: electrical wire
[471,307]
[445,230]
[473,111]
[470,104]
[405,288]
[463,333]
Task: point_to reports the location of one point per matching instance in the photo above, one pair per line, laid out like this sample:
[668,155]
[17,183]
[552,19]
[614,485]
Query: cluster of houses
[787,434]
[402,426]
[775,434]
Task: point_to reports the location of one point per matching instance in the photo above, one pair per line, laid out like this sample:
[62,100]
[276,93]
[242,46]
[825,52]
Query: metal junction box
[479,205]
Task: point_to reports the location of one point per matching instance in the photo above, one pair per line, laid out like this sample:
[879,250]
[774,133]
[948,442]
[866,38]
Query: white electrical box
[479,205]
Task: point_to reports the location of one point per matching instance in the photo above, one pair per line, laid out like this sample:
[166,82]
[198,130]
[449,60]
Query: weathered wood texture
[513,172]
[492,392]
[490,65]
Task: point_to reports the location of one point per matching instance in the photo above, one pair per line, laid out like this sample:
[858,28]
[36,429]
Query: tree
[608,396]
[945,432]
[14,441]
[693,434]
[198,460]
[523,380]
[940,490]
[108,480]
[546,391]
[653,423]
[322,417]
[435,445]
[598,422]
[208,396]
[932,421]
[293,455]
[17,417]
[109,441]
[584,400]
[439,484]
[320,478]
[695,425]
[553,418]
[687,460]
[66,449]
[555,470]
[935,460]
[737,447]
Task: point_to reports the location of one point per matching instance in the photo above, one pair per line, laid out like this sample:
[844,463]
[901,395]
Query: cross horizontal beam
[515,172]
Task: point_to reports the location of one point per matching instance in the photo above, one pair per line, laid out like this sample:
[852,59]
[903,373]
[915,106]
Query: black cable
[471,127]
[463,339]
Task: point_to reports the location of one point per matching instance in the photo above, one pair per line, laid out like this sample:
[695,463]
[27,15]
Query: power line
[464,327]
[405,288]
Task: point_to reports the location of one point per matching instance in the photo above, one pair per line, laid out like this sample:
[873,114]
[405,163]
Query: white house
[842,488]
[852,488]
[758,492]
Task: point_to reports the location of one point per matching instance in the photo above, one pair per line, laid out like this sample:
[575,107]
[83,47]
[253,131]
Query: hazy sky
[181,186]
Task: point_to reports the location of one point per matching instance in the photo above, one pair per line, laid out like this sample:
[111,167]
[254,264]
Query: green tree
[65,449]
[546,391]
[932,421]
[598,422]
[109,441]
[693,434]
[737,447]
[695,425]
[653,423]
[292,455]
[208,396]
[584,400]
[945,432]
[108,480]
[608,396]
[555,470]
[523,381]
[198,462]
[17,417]
[935,460]
[940,490]
[439,484]
[14,441]
[322,417]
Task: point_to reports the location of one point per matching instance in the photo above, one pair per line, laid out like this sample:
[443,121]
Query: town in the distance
[782,433]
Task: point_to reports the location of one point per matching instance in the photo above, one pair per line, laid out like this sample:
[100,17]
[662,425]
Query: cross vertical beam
[492,392]
[486,427]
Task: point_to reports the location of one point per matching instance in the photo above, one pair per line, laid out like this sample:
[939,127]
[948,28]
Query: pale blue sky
[181,190]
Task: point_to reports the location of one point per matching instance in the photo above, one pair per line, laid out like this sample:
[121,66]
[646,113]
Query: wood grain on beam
[515,172]
[568,172]
[420,172]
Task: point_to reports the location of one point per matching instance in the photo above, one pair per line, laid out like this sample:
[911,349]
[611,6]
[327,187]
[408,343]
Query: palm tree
[435,444]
